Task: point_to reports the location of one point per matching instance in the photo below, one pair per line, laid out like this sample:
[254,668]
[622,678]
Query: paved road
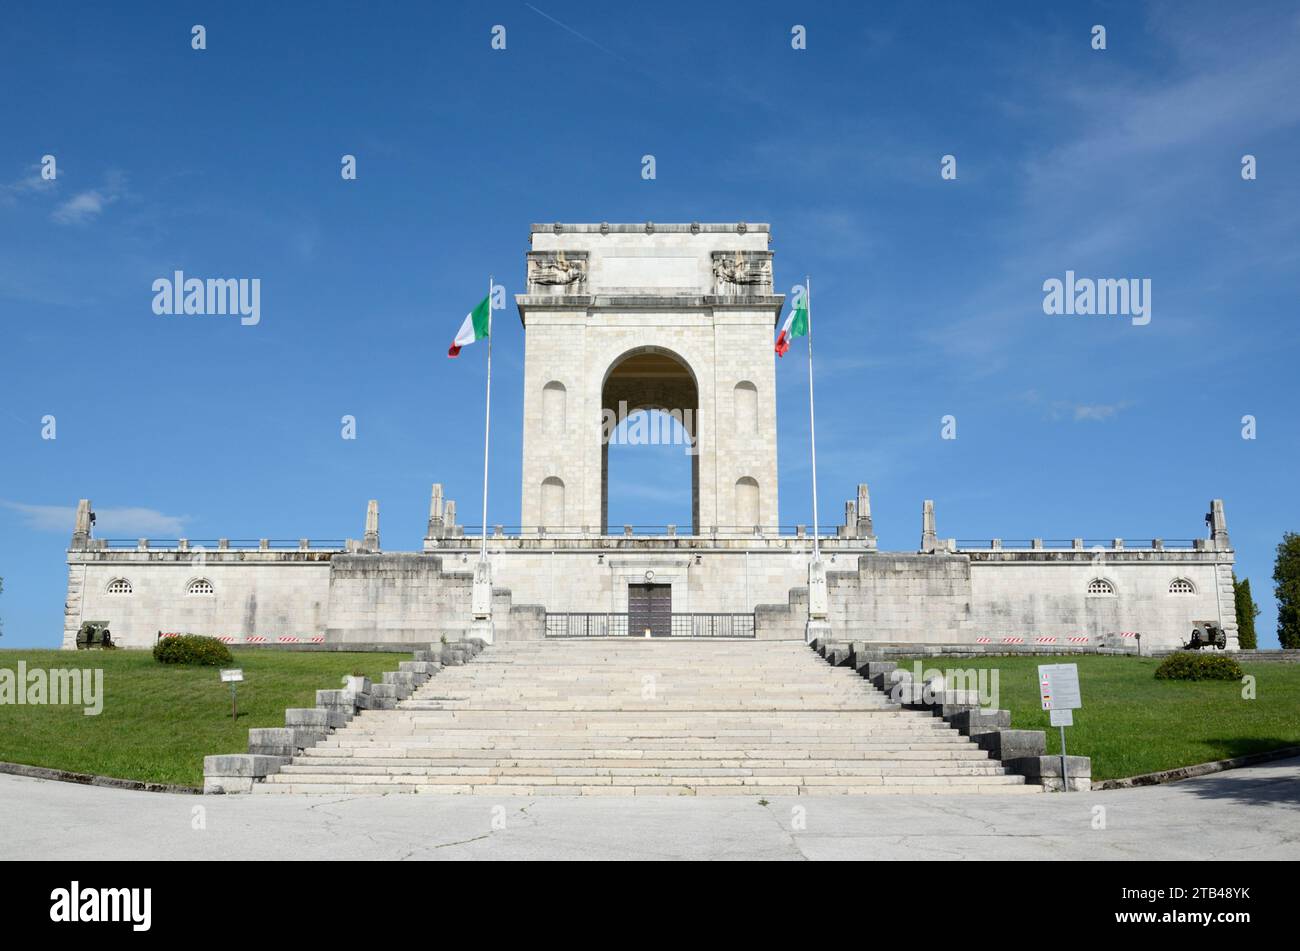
[1244,814]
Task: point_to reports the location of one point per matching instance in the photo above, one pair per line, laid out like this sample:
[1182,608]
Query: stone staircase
[637,717]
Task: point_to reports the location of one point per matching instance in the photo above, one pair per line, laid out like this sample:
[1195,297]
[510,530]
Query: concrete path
[1242,814]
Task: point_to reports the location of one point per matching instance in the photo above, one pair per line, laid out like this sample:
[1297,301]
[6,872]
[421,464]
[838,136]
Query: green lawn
[159,721]
[1132,723]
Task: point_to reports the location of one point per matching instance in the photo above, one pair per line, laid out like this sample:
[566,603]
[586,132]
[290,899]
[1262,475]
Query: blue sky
[928,293]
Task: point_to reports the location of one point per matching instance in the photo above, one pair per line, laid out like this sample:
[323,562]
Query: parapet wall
[344,592]
[409,598]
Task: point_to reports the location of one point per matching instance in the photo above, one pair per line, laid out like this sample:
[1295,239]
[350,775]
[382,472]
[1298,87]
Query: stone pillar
[81,529]
[1227,596]
[436,510]
[449,526]
[481,602]
[819,625]
[929,537]
[865,529]
[1218,526]
[371,540]
[850,528]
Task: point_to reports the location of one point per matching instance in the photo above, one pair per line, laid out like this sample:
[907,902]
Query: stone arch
[746,507]
[745,408]
[554,408]
[650,378]
[553,503]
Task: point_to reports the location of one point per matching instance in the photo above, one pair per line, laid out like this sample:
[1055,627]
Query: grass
[159,721]
[1132,723]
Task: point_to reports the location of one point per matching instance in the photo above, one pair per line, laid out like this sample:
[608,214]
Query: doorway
[649,607]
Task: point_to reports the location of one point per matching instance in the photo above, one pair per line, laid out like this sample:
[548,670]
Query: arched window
[201,586]
[119,586]
[1100,586]
[1181,586]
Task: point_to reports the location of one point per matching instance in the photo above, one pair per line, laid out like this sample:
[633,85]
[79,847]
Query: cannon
[1207,634]
[94,634]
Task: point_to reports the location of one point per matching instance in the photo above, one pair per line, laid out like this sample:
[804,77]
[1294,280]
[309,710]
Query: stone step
[496,789]
[592,779]
[573,718]
[884,768]
[453,761]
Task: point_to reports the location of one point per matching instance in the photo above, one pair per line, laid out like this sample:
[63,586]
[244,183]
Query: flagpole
[487,422]
[812,421]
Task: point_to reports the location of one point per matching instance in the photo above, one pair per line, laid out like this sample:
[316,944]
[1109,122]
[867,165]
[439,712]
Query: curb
[86,779]
[1200,769]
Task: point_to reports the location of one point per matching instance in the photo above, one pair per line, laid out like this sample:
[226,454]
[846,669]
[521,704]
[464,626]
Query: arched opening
[649,437]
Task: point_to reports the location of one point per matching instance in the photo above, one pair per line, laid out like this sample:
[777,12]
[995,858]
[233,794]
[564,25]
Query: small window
[1100,586]
[119,586]
[1181,586]
[201,587]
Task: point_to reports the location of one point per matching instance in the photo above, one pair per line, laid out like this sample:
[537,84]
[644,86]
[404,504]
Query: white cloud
[28,184]
[1097,412]
[85,206]
[124,522]
[82,207]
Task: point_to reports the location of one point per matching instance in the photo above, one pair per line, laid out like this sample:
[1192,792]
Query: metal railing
[639,531]
[1088,544]
[215,544]
[594,624]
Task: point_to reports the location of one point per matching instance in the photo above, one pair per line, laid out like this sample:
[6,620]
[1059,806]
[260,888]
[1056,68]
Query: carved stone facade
[671,317]
[557,272]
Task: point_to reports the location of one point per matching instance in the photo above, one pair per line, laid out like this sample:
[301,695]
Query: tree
[1247,611]
[1286,580]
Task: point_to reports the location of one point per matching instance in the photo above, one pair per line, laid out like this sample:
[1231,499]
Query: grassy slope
[158,722]
[1132,723]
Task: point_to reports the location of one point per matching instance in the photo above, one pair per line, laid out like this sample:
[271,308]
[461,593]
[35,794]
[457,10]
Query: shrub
[1286,574]
[1186,665]
[1247,611]
[192,649]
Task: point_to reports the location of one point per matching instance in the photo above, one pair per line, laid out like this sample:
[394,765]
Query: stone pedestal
[819,625]
[481,602]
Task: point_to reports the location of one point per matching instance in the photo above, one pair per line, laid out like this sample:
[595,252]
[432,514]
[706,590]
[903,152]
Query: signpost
[233,676]
[1058,685]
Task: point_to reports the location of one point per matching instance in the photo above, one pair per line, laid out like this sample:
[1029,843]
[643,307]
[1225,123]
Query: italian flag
[474,328]
[796,325]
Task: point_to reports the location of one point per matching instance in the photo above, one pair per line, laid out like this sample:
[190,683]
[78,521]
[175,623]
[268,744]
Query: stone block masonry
[1052,599]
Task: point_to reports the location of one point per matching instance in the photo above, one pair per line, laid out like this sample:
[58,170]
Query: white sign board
[1058,685]
[1062,717]
[234,676]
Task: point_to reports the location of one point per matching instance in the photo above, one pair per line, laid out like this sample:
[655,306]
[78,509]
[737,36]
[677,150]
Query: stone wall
[253,592]
[956,598]
[925,598]
[623,291]
[409,598]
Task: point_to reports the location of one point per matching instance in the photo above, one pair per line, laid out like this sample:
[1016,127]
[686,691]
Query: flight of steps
[629,717]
